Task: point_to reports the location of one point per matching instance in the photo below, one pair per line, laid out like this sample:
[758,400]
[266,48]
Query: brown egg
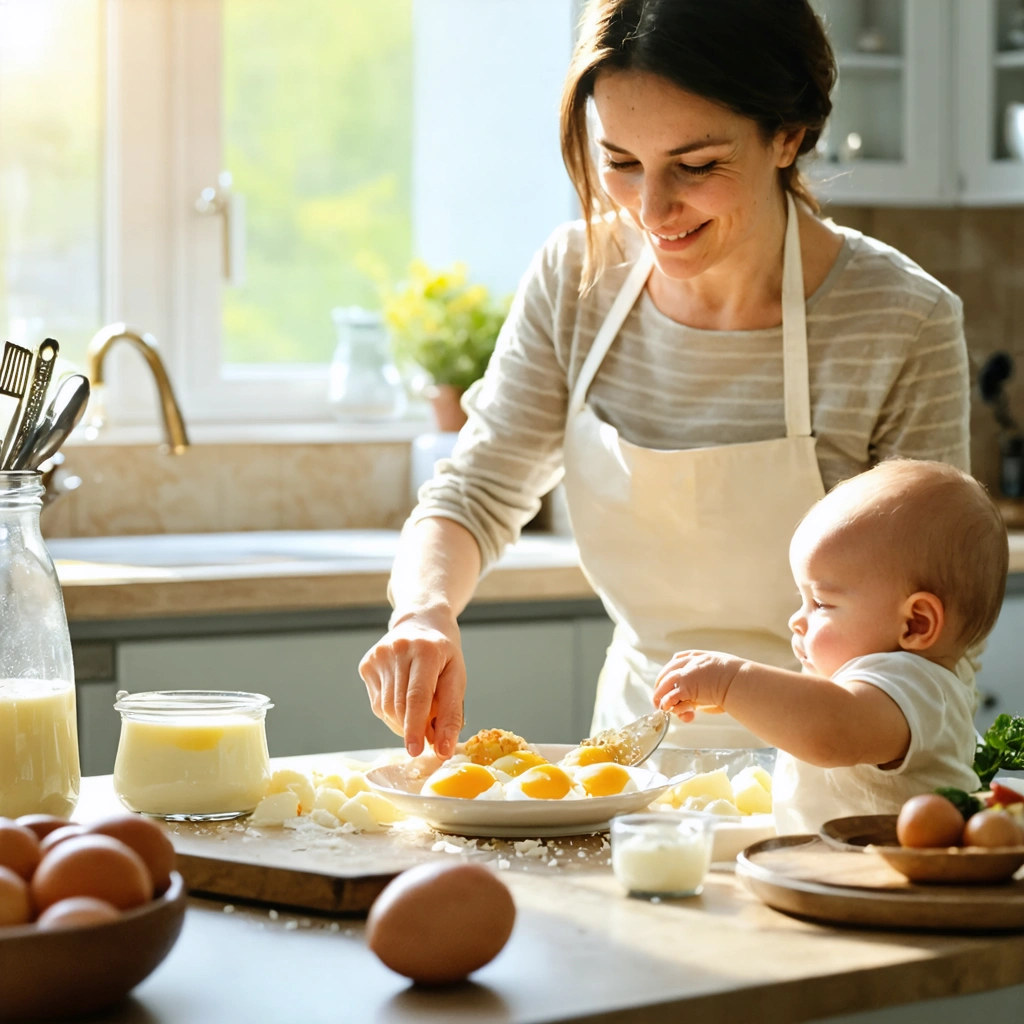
[147,839]
[92,866]
[15,902]
[991,829]
[19,849]
[41,824]
[58,835]
[929,820]
[437,923]
[77,912]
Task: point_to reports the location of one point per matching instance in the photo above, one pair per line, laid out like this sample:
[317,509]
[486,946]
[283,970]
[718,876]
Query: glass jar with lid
[364,385]
[39,769]
[192,755]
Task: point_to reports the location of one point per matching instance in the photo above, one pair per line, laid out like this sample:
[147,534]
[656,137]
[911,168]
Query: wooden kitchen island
[580,951]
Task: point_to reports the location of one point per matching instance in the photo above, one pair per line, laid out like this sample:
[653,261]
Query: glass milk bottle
[364,384]
[39,770]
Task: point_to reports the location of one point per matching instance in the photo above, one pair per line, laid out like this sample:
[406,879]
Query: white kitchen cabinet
[923,87]
[1001,679]
[536,678]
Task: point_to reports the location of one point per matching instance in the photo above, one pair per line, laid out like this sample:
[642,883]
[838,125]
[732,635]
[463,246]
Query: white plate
[511,818]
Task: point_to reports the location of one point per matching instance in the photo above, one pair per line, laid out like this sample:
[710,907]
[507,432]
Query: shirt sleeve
[926,414]
[509,454]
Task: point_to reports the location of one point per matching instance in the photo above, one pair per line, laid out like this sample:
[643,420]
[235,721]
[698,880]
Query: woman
[703,357]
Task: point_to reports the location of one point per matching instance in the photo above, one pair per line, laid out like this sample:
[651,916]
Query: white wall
[489,184]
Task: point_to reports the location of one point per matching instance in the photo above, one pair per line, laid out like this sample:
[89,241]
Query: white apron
[689,549]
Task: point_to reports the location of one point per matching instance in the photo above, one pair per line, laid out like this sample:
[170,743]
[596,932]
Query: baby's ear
[923,621]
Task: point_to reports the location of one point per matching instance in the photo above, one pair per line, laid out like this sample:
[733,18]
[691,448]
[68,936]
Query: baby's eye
[821,606]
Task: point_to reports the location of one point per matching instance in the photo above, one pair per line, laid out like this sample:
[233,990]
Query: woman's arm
[824,723]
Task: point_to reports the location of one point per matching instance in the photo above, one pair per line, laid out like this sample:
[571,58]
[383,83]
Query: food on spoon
[465,781]
[518,762]
[627,745]
[92,866]
[15,901]
[609,779]
[437,923]
[992,829]
[77,912]
[486,746]
[544,782]
[19,848]
[147,839]
[929,821]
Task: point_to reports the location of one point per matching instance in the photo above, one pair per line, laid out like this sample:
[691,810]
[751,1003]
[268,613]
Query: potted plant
[448,328]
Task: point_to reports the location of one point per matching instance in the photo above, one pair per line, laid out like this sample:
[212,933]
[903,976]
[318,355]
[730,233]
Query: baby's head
[908,556]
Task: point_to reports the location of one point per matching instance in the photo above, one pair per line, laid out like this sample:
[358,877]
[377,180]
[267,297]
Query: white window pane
[318,139]
[51,104]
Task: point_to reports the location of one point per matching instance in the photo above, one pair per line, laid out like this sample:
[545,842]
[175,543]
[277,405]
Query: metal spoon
[60,418]
[635,742]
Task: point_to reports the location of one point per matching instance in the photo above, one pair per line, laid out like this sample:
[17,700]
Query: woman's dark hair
[768,60]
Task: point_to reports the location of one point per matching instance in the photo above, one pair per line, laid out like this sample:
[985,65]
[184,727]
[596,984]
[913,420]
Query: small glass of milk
[661,855]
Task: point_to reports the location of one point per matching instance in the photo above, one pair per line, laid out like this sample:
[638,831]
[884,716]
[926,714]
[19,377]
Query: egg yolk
[517,762]
[608,781]
[592,755]
[466,782]
[546,782]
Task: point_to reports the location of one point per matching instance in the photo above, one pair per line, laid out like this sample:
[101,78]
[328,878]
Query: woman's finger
[419,699]
[451,692]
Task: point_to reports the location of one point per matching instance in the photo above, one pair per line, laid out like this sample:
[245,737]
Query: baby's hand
[695,679]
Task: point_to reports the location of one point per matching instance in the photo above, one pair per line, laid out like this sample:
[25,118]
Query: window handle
[223,202]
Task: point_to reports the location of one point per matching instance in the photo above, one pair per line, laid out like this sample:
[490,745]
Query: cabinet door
[592,639]
[1001,679]
[320,702]
[889,139]
[990,87]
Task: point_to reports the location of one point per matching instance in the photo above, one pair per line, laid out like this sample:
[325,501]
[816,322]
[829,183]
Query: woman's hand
[416,679]
[695,680]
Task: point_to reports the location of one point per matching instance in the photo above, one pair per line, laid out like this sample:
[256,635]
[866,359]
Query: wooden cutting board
[804,876]
[311,868]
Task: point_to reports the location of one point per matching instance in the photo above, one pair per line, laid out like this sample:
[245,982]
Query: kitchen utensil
[1014,129]
[876,834]
[803,875]
[50,974]
[30,405]
[635,741]
[61,417]
[511,818]
[14,370]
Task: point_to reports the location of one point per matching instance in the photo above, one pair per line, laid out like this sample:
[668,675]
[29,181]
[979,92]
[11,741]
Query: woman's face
[697,178]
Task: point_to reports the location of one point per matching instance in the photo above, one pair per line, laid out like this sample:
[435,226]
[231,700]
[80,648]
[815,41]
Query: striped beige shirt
[888,375]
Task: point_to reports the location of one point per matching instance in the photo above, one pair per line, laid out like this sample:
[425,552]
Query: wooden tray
[804,876]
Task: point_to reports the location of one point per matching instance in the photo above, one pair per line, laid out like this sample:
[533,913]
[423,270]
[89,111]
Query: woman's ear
[924,618]
[787,146]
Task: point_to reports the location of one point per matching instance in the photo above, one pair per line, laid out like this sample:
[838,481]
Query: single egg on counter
[544,782]
[42,824]
[437,923]
[92,866]
[929,820]
[610,779]
[19,848]
[77,912]
[15,902]
[517,762]
[147,839]
[465,781]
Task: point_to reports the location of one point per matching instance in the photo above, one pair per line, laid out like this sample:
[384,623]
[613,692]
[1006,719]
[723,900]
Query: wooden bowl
[954,865]
[81,970]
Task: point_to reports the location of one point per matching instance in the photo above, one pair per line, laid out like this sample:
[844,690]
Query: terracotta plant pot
[448,412]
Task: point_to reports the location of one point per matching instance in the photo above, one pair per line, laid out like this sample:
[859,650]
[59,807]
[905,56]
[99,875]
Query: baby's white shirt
[938,707]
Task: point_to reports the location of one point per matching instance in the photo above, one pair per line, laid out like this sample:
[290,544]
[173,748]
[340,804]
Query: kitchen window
[223,173]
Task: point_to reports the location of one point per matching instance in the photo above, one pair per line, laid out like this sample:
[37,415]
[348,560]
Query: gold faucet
[174,424]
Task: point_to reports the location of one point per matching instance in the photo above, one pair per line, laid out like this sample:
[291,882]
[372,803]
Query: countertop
[580,951]
[202,574]
[218,573]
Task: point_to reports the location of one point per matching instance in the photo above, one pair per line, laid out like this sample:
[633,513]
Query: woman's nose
[657,203]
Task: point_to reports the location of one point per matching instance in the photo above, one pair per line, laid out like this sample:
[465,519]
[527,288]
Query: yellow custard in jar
[192,754]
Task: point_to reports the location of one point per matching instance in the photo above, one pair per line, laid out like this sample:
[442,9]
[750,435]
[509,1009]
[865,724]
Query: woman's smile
[677,242]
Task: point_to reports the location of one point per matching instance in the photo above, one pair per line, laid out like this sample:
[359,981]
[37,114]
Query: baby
[901,570]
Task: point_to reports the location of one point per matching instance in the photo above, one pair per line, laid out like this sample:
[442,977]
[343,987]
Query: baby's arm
[828,724]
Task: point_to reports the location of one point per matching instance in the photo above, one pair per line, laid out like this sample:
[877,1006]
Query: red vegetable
[1004,795]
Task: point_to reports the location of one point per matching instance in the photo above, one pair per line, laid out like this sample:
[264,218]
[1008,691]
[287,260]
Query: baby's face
[849,607]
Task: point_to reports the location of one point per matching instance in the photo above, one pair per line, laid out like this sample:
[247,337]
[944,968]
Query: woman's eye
[702,169]
[618,165]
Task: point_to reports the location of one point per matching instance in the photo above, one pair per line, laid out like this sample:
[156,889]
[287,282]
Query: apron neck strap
[794,329]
